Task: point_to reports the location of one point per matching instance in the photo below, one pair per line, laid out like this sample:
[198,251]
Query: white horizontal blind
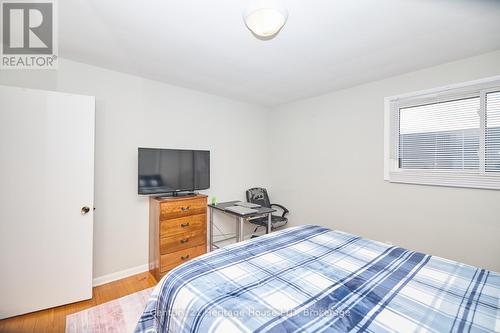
[493,132]
[440,136]
[447,136]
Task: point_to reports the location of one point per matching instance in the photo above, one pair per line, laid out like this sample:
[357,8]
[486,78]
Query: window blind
[442,136]
[493,132]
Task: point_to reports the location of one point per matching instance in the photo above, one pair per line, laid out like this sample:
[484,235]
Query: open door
[46,199]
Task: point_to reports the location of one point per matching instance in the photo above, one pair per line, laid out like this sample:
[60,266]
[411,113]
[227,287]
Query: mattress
[313,279]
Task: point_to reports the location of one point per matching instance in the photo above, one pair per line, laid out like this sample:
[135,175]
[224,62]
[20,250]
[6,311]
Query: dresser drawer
[182,241]
[172,260]
[174,227]
[176,209]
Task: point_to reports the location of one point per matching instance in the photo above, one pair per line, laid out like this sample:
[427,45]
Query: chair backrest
[258,195]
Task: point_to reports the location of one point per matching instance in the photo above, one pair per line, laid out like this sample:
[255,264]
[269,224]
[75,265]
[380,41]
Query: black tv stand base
[177,194]
[184,194]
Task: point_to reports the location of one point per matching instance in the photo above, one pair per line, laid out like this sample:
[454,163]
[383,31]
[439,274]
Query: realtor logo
[28,34]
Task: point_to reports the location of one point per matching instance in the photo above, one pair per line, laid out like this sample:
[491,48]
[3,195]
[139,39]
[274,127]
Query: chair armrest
[285,211]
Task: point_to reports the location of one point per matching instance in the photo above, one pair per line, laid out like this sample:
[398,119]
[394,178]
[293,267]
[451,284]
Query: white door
[46,179]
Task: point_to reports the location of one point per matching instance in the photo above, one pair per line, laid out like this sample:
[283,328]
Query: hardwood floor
[54,319]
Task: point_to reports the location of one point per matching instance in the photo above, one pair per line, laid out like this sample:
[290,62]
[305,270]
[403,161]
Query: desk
[240,219]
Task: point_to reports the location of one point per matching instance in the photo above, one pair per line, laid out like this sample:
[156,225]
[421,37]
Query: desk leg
[211,227]
[269,221]
[239,228]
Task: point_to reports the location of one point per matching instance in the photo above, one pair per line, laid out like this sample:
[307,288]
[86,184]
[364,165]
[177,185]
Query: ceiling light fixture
[265,22]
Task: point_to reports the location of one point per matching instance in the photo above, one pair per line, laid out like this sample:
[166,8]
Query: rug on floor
[119,315]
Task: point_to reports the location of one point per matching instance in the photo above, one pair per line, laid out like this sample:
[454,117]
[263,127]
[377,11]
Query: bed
[313,279]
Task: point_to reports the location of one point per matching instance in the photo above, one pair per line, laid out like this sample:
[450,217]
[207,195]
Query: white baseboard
[119,275]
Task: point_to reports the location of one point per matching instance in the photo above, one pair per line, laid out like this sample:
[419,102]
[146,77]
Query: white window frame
[454,178]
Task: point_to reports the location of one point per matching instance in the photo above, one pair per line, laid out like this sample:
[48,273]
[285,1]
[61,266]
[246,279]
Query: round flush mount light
[265,22]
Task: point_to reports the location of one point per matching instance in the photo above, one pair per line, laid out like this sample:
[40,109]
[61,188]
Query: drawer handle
[185,225]
[183,241]
[185,209]
[185,257]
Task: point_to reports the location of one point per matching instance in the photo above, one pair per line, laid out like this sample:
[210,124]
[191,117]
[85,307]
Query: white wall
[328,157]
[133,112]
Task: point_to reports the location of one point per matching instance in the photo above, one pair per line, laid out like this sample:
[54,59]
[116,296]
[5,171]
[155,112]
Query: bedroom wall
[133,112]
[327,154]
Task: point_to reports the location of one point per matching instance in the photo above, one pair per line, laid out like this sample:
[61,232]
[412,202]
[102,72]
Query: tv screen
[173,170]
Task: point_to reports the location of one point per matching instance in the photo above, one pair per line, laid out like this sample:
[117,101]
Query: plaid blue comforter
[313,279]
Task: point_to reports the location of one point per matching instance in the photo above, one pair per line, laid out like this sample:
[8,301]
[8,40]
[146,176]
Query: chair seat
[276,221]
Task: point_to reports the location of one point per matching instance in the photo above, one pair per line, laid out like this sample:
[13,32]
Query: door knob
[85,210]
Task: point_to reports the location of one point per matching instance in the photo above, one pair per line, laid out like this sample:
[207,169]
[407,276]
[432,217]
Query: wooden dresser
[177,231]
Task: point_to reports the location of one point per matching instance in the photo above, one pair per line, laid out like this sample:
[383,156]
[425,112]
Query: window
[448,136]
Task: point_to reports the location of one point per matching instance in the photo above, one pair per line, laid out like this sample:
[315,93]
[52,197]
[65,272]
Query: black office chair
[259,196]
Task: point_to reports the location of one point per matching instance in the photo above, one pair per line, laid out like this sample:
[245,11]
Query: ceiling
[326,44]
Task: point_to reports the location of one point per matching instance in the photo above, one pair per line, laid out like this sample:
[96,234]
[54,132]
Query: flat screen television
[170,171]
